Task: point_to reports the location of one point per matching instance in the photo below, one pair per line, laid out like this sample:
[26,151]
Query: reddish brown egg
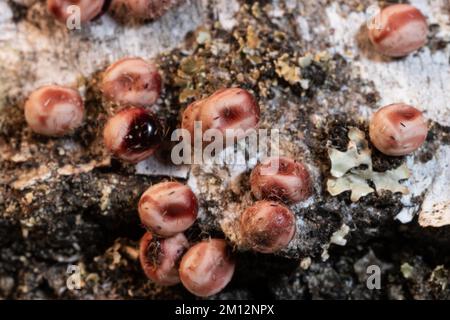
[267,226]
[398,129]
[231,111]
[398,30]
[132,81]
[89,9]
[207,267]
[54,110]
[141,9]
[133,134]
[227,109]
[190,115]
[160,258]
[281,179]
[168,208]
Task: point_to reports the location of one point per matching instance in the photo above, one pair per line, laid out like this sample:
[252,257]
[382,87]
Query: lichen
[438,216]
[286,70]
[346,176]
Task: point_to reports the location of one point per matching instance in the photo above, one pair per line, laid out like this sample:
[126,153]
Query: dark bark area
[55,212]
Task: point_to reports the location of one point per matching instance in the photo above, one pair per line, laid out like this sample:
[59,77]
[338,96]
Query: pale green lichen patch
[350,182]
[358,153]
[389,180]
[407,270]
[346,176]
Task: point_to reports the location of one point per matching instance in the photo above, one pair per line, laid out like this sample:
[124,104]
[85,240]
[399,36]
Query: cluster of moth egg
[133,133]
